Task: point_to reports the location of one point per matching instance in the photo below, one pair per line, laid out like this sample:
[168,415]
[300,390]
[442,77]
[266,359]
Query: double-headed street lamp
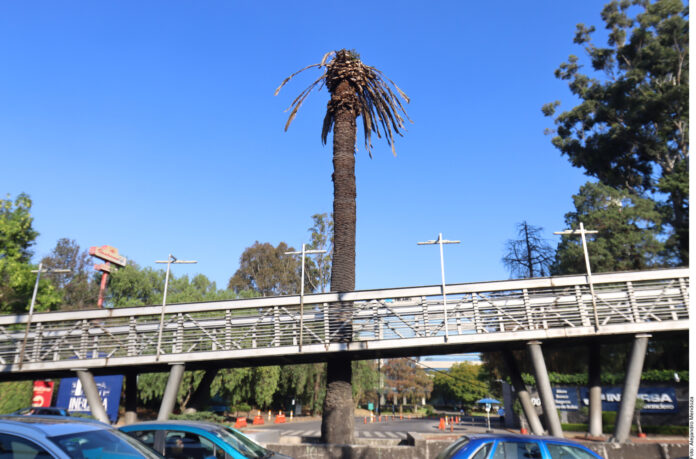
[582,232]
[168,261]
[31,306]
[303,252]
[441,241]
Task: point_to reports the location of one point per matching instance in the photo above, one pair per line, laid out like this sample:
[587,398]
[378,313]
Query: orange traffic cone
[442,424]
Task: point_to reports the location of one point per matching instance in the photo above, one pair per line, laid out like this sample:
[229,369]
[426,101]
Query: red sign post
[109,255]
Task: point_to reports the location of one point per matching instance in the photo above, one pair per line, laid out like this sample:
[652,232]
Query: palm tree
[356,90]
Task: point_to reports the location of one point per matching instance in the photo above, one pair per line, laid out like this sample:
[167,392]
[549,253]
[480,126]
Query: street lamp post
[31,306]
[303,252]
[441,241]
[582,232]
[168,261]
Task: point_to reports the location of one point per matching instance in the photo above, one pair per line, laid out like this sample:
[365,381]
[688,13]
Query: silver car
[57,437]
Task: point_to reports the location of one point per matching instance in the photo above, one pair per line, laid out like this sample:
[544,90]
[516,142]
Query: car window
[102,444]
[517,450]
[12,447]
[559,451]
[453,448]
[144,436]
[483,451]
[188,445]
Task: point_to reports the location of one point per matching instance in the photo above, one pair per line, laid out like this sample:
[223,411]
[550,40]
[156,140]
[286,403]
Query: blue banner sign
[566,398]
[657,399]
[72,396]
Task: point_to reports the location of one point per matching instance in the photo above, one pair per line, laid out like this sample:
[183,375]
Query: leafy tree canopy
[628,228]
[404,377]
[462,383]
[268,271]
[630,129]
[79,288]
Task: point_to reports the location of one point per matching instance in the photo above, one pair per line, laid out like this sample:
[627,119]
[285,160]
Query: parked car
[197,440]
[512,446]
[43,411]
[58,437]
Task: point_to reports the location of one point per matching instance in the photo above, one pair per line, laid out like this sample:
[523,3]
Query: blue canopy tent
[488,402]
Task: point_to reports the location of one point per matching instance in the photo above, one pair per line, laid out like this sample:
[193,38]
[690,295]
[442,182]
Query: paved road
[389,429]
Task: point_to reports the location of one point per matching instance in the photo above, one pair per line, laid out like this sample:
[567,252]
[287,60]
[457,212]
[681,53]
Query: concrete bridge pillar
[92,394]
[544,387]
[176,373]
[631,385]
[131,416]
[595,386]
[522,393]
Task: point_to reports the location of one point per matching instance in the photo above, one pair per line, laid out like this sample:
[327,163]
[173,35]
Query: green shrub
[242,407]
[199,416]
[608,417]
[15,395]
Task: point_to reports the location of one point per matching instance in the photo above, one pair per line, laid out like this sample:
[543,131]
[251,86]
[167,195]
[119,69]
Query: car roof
[520,437]
[177,424]
[49,426]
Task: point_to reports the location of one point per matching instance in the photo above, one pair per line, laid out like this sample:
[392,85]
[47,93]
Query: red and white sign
[43,393]
[108,253]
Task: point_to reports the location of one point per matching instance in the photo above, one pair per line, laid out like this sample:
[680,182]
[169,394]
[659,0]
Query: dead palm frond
[375,101]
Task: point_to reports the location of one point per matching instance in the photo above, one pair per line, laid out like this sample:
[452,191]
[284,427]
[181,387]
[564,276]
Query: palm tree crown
[371,96]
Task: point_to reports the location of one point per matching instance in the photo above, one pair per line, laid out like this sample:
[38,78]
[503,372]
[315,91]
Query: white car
[58,437]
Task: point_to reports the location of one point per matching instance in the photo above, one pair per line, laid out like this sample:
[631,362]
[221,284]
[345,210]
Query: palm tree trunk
[337,421]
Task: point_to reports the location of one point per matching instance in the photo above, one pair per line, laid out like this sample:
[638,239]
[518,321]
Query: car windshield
[102,444]
[452,449]
[241,443]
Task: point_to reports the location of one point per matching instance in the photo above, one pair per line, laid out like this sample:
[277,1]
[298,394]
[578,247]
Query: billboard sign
[566,398]
[657,399]
[42,394]
[71,395]
[108,253]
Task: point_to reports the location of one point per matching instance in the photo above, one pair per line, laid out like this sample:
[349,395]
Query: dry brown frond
[374,99]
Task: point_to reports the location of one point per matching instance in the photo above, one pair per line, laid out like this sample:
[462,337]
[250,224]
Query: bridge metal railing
[658,297]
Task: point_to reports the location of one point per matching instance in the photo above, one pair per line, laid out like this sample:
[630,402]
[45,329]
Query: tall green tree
[322,239]
[78,287]
[530,255]
[17,235]
[628,228]
[631,127]
[356,90]
[461,384]
[406,379]
[269,271]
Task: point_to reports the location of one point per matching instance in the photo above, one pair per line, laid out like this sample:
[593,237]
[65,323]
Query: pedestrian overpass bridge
[406,321]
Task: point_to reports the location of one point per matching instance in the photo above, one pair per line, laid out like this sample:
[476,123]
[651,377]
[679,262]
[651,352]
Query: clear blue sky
[152,126]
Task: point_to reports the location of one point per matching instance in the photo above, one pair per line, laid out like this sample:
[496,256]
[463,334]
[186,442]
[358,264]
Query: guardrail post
[478,326]
[327,329]
[426,318]
[294,334]
[84,339]
[228,329]
[132,336]
[253,339]
[178,345]
[632,301]
[684,292]
[36,352]
[528,309]
[276,326]
[458,315]
[584,317]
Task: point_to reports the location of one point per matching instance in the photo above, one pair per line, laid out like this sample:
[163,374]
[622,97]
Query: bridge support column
[595,385]
[92,394]
[131,416]
[176,373]
[630,389]
[202,393]
[544,387]
[522,393]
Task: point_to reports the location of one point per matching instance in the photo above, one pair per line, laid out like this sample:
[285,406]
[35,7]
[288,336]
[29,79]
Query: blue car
[58,437]
[197,440]
[511,446]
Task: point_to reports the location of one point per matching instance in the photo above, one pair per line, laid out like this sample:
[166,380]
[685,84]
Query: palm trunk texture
[337,425]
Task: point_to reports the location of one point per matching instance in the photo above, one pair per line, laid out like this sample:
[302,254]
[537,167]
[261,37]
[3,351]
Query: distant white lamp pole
[168,261]
[31,306]
[582,232]
[303,252]
[441,241]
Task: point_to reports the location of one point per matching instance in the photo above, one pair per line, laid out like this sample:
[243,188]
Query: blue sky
[152,127]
